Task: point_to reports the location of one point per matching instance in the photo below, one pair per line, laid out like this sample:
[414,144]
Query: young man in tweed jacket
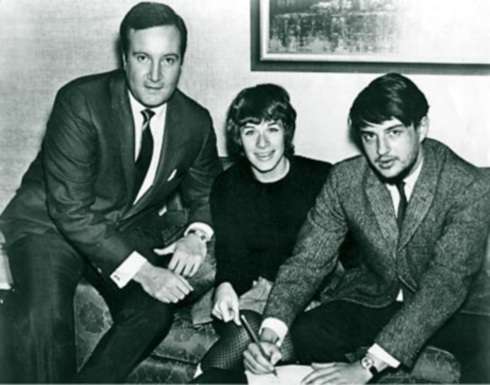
[421,249]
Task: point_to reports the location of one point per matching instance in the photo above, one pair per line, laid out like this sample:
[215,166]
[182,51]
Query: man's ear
[423,128]
[123,59]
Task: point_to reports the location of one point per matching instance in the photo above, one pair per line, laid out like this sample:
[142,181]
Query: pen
[255,339]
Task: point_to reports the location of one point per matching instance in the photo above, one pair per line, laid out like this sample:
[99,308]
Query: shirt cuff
[128,269]
[277,326]
[5,274]
[381,354]
[202,227]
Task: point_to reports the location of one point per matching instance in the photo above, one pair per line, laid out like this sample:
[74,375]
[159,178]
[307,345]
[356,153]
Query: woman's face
[264,145]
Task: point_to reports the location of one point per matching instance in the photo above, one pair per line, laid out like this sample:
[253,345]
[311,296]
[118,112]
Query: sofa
[191,335]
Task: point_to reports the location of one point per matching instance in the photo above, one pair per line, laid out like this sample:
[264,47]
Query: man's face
[393,148]
[264,146]
[153,63]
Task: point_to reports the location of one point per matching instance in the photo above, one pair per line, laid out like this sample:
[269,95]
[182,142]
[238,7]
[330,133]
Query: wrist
[268,335]
[201,235]
[143,271]
[224,285]
[224,289]
[368,364]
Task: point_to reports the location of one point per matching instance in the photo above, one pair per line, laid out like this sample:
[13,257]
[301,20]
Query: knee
[43,301]
[237,334]
[227,352]
[230,331]
[253,318]
[51,297]
[45,270]
[142,311]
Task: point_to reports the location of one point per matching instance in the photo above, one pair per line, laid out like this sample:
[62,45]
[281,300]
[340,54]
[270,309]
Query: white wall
[47,43]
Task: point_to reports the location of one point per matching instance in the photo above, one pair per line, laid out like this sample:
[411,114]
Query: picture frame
[430,36]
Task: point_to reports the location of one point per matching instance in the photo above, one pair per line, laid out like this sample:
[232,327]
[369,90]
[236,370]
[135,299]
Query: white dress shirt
[281,329]
[157,126]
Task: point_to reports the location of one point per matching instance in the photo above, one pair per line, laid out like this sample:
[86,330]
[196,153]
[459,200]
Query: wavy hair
[263,102]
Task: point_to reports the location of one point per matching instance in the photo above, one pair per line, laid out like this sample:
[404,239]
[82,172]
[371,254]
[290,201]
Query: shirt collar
[137,107]
[411,179]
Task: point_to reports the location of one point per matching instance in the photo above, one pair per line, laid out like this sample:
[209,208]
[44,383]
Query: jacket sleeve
[196,186]
[70,169]
[457,257]
[314,256]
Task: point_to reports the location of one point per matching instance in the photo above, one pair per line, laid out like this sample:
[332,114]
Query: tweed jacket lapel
[123,125]
[422,197]
[381,204]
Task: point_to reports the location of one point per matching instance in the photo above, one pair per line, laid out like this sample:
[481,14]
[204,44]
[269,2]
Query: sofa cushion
[433,365]
[185,342]
[155,370]
[92,319]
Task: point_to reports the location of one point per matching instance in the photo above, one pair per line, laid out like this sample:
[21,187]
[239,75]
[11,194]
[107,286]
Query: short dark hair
[150,14]
[263,102]
[389,96]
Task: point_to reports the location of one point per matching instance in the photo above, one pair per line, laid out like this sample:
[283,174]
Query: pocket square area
[172,175]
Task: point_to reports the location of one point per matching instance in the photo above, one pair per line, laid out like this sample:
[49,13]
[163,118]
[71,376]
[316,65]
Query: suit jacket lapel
[171,137]
[124,129]
[421,199]
[381,204]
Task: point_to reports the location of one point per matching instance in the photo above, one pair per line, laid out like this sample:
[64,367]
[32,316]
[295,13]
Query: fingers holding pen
[258,363]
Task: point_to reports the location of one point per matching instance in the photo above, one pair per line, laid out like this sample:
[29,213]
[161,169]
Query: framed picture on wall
[362,35]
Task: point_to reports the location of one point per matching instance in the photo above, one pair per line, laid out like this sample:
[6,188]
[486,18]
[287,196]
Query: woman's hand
[226,306]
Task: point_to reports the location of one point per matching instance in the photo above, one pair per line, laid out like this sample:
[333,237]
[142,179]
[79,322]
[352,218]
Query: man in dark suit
[118,145]
[419,216]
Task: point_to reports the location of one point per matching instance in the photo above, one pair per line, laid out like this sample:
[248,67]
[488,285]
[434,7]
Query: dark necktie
[146,151]
[402,205]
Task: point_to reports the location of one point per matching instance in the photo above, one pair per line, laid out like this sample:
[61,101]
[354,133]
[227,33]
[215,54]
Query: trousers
[46,270]
[330,331]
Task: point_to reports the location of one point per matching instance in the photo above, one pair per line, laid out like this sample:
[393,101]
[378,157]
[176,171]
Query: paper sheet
[287,375]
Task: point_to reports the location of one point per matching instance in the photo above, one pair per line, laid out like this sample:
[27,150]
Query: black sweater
[256,224]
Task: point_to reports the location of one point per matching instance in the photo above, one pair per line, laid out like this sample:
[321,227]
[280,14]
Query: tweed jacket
[436,258]
[81,182]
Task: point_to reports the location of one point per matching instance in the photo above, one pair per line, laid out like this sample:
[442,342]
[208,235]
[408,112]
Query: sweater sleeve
[230,248]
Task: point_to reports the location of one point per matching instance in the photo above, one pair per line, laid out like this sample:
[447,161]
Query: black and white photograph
[245,192]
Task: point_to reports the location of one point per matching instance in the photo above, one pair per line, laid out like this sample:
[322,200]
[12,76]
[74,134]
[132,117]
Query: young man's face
[393,148]
[153,63]
[264,146]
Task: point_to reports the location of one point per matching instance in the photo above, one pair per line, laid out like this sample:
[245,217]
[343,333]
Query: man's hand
[226,307]
[162,284]
[337,373]
[188,255]
[255,361]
